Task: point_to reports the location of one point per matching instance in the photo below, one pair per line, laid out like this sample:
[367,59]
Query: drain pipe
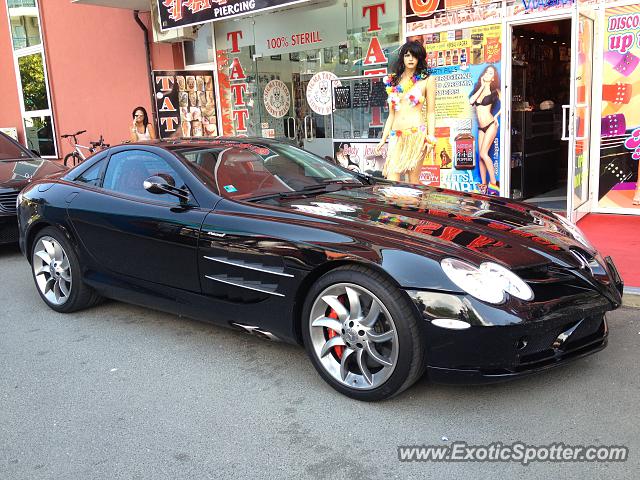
[154,109]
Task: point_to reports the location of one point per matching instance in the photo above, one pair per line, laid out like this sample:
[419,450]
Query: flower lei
[395,92]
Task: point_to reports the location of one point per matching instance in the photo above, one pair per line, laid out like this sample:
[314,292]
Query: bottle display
[443,149]
[440,59]
[465,156]
[455,59]
[477,50]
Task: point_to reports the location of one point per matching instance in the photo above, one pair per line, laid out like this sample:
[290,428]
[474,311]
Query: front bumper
[501,342]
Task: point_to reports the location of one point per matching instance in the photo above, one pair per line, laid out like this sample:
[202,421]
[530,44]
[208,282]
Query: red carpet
[618,236]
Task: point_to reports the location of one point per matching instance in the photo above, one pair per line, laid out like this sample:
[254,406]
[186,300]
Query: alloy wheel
[52,270]
[353,336]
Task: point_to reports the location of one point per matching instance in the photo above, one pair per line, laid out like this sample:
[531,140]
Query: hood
[19,173]
[474,226]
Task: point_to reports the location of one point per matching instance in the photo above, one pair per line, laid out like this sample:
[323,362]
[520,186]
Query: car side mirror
[159,185]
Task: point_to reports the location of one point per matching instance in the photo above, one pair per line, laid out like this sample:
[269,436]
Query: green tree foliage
[33,86]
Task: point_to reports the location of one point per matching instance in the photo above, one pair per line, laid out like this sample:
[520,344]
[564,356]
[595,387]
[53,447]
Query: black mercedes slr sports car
[18,167]
[378,280]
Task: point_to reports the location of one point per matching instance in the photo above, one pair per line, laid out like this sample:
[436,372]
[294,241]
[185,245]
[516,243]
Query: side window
[128,170]
[91,175]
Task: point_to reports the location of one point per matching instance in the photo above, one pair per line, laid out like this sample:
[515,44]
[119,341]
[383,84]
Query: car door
[132,232]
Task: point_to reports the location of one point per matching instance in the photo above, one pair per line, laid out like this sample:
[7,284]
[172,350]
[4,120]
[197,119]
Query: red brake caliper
[338,348]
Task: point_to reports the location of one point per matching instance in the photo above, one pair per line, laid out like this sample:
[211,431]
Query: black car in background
[18,167]
[378,280]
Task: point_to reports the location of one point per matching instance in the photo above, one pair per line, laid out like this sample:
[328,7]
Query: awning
[142,5]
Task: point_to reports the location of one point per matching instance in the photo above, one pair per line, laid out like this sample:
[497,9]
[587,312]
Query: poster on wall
[185,102]
[319,93]
[468,109]
[620,123]
[425,15]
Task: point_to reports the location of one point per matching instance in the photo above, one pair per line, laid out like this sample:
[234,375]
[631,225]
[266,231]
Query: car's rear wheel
[56,272]
[362,334]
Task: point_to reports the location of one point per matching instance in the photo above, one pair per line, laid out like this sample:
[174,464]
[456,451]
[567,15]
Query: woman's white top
[145,135]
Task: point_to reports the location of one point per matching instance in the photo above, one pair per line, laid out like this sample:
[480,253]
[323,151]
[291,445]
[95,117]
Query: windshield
[10,150]
[244,171]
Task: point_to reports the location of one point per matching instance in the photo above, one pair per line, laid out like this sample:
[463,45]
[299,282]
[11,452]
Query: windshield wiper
[309,189]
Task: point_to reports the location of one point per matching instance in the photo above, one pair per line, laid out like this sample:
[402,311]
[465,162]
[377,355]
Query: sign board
[277,98]
[186,103]
[181,13]
[319,92]
[301,31]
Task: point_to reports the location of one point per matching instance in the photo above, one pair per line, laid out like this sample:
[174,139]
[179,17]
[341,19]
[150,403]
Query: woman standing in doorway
[141,129]
[485,95]
[411,122]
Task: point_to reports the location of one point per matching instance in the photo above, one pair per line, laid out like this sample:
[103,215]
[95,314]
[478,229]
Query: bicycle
[76,157]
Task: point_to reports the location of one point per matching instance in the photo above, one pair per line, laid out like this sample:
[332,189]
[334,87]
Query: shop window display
[466,64]
[350,39]
[620,125]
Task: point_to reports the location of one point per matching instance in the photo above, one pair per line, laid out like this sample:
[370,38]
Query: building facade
[69,67]
[536,96]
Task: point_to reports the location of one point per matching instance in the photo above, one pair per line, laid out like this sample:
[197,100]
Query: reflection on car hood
[447,222]
[18,173]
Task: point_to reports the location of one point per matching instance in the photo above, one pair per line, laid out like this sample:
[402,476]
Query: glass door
[294,68]
[578,114]
[290,111]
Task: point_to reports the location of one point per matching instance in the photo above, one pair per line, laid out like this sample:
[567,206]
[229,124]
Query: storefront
[561,130]
[276,71]
[276,64]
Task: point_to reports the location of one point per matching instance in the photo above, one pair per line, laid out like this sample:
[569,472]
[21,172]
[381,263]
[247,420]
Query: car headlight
[489,282]
[574,231]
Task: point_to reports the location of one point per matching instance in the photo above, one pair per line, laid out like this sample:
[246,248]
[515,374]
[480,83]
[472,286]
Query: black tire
[80,295]
[410,363]
[71,159]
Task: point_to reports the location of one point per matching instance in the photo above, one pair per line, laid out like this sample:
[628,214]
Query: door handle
[306,128]
[69,198]
[291,128]
[566,127]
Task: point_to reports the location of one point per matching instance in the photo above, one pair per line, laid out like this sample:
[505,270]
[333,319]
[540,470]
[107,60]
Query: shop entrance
[540,87]
[304,124]
[551,80]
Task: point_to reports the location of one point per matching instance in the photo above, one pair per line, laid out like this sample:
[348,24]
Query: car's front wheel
[56,272]
[362,334]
